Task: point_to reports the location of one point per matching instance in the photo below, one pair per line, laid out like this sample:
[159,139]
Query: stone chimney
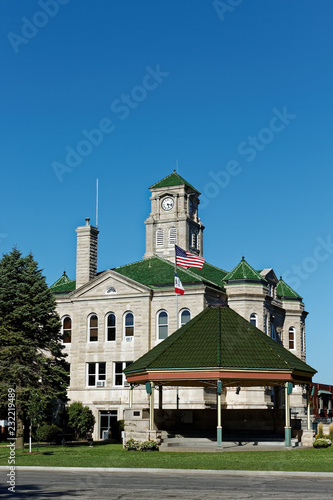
[86,253]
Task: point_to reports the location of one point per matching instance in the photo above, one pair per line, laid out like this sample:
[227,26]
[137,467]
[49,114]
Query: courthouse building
[111,318]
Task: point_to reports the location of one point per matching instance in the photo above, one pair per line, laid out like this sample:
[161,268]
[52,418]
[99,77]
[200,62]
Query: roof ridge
[240,266]
[175,175]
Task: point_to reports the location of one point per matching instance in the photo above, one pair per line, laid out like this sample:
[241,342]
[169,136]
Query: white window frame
[159,237]
[63,330]
[118,373]
[180,316]
[89,328]
[158,324]
[292,330]
[254,317]
[100,378]
[128,338]
[172,236]
[107,328]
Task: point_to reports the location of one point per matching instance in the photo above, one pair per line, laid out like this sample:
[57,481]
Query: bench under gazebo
[220,349]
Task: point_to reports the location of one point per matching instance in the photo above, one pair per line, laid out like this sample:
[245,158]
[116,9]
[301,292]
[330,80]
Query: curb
[328,475]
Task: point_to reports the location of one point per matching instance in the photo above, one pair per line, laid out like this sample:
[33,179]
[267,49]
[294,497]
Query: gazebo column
[150,392]
[160,397]
[287,429]
[219,414]
[308,413]
[130,397]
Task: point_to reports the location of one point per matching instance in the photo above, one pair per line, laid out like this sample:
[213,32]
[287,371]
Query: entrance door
[105,419]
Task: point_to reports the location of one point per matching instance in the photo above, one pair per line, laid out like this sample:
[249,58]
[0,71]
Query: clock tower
[173,218]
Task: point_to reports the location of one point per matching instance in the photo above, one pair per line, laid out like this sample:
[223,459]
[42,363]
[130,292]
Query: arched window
[291,337]
[93,328]
[162,325]
[185,316]
[111,327]
[253,319]
[159,237]
[67,330]
[129,326]
[172,236]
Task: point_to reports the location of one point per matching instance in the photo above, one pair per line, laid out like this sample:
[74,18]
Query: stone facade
[110,319]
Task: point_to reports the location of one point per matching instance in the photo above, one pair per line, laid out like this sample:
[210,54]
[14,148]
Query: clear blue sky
[240,96]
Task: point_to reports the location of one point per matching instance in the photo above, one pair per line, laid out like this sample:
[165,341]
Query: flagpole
[176,293]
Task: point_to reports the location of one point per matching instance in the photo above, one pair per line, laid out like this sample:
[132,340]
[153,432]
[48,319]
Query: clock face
[167,203]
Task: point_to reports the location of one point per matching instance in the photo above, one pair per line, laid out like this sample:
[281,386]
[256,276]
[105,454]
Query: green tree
[32,361]
[80,419]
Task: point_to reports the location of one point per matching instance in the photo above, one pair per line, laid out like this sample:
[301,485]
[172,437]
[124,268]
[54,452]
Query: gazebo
[219,348]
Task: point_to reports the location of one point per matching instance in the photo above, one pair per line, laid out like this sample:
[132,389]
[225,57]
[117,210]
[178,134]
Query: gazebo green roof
[243,271]
[284,291]
[219,339]
[173,179]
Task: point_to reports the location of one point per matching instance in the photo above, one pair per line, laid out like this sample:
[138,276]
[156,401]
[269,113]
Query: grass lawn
[113,455]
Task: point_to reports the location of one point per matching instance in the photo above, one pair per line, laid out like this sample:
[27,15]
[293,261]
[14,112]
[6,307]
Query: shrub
[322,443]
[320,433]
[47,433]
[149,446]
[330,430]
[133,445]
[80,419]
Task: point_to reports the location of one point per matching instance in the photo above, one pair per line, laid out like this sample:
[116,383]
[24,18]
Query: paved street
[165,485]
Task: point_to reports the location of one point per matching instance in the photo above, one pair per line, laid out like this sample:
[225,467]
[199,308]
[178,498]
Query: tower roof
[63,285]
[173,179]
[243,271]
[284,291]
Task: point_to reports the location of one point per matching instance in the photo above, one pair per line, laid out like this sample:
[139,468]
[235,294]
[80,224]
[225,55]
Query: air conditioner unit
[128,339]
[100,383]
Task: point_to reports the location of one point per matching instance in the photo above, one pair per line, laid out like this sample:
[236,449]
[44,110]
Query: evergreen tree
[31,353]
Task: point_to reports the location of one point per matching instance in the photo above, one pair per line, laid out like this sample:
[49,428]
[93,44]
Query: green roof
[218,337]
[284,291]
[173,179]
[63,285]
[243,271]
[156,272]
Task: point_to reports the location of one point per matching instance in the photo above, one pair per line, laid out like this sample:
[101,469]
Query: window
[129,326]
[291,337]
[172,236]
[119,378]
[253,319]
[194,239]
[67,330]
[185,316]
[96,374]
[265,324]
[111,327]
[93,328]
[159,237]
[162,325]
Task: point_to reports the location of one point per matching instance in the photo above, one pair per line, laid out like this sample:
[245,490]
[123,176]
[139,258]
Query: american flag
[186,259]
